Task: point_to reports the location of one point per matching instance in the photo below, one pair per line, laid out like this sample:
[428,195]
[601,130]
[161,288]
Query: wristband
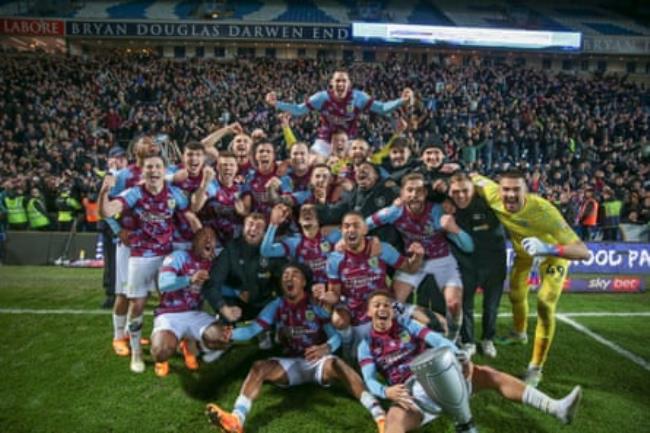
[558,250]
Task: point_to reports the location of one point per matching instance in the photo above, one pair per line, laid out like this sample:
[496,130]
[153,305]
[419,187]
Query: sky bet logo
[618,284]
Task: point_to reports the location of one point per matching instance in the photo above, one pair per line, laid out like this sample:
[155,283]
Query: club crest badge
[310,316]
[373,262]
[325,247]
[171,203]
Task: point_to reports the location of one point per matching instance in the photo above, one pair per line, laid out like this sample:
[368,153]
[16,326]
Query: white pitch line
[599,338]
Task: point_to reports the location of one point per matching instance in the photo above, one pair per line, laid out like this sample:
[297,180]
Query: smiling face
[353,230]
[254,227]
[381,313]
[433,157]
[340,84]
[366,176]
[414,195]
[308,218]
[320,177]
[193,160]
[359,151]
[153,172]
[227,168]
[399,156]
[293,284]
[513,193]
[265,156]
[204,243]
[299,157]
[461,192]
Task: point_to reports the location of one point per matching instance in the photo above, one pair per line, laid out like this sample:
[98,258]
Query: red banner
[32,27]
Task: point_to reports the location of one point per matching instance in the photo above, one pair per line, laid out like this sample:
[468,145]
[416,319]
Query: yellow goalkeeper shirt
[537,218]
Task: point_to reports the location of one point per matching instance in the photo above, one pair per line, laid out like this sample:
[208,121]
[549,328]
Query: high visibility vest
[612,213]
[92,210]
[65,216]
[592,219]
[36,218]
[15,210]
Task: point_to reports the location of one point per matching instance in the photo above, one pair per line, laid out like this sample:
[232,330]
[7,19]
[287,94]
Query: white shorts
[143,276]
[321,147]
[428,408]
[300,371]
[184,324]
[444,270]
[122,254]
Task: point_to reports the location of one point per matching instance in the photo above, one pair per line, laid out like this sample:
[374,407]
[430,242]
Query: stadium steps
[427,13]
[258,11]
[135,9]
[611,29]
[335,10]
[164,10]
[304,12]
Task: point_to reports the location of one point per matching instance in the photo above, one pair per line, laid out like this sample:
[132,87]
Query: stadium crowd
[582,140]
[326,243]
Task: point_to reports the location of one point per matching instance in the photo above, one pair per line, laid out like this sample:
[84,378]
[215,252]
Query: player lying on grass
[309,341]
[392,351]
[179,314]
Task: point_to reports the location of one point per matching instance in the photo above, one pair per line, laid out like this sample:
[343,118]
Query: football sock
[372,405]
[242,407]
[119,323]
[135,331]
[535,398]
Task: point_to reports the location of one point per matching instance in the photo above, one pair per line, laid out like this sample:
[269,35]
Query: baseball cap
[116,151]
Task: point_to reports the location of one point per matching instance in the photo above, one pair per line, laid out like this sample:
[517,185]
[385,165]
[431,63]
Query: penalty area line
[604,341]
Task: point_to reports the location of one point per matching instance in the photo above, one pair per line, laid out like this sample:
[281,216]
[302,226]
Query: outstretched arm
[315,102]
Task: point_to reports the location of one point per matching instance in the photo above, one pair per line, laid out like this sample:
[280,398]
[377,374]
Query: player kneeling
[179,314]
[422,383]
[308,338]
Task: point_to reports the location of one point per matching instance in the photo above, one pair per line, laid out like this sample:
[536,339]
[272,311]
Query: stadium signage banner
[182,30]
[610,258]
[616,45]
[31,27]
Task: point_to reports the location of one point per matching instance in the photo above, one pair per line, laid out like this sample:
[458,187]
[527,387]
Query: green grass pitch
[58,372]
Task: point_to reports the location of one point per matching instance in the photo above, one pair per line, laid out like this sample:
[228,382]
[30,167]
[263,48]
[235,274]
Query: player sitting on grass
[309,340]
[179,314]
[392,347]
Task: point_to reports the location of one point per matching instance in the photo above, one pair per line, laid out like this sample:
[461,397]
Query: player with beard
[179,314]
[385,357]
[152,205]
[125,178]
[323,187]
[425,223]
[355,272]
[299,167]
[311,246]
[339,107]
[359,153]
[264,184]
[308,340]
[542,239]
[399,162]
[188,176]
[218,201]
[432,167]
[241,280]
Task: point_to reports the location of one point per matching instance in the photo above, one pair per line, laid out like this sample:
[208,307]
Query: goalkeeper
[542,241]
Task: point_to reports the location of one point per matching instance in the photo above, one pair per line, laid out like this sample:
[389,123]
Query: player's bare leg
[261,371]
[454,302]
[402,290]
[163,347]
[337,369]
[484,377]
[400,420]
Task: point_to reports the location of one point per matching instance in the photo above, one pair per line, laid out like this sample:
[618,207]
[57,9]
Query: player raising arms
[540,237]
[391,350]
[308,339]
[153,205]
[339,108]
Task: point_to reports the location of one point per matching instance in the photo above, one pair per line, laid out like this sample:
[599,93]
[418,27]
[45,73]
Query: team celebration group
[337,255]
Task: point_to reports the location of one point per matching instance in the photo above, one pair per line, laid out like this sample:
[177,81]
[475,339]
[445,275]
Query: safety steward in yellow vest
[67,207]
[15,203]
[36,212]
